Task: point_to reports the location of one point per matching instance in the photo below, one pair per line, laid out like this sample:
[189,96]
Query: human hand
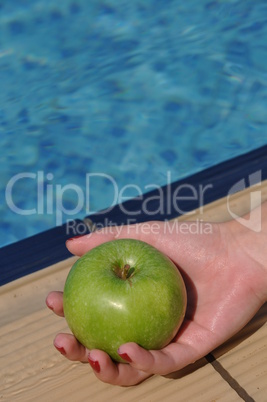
[224,289]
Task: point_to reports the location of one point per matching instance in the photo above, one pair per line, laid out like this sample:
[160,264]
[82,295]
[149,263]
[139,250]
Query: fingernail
[61,350]
[94,364]
[125,357]
[75,237]
[50,306]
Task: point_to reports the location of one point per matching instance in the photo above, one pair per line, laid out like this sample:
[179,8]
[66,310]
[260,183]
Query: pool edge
[44,249]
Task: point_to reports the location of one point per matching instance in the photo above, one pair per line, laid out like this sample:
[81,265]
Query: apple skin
[105,311]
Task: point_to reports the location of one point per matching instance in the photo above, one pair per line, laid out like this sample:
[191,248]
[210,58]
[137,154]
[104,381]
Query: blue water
[137,93]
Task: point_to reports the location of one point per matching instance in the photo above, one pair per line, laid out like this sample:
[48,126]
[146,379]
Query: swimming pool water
[136,93]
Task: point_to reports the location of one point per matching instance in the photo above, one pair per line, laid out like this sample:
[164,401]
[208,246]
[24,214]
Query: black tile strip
[47,248]
[229,379]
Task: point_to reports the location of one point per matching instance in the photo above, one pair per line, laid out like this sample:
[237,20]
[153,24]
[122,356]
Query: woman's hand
[226,284]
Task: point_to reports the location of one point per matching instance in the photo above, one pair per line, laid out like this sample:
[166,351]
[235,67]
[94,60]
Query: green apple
[124,291]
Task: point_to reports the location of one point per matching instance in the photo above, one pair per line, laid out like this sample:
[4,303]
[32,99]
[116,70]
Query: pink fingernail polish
[125,357]
[61,350]
[94,364]
[75,237]
[50,306]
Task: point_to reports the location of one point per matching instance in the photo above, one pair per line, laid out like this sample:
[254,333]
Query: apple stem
[124,273]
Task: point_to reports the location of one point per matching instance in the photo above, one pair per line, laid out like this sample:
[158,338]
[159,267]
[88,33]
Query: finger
[69,347]
[167,238]
[114,373]
[142,231]
[172,358]
[54,301]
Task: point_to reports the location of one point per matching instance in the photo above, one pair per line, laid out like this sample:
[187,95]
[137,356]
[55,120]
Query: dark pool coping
[42,250]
